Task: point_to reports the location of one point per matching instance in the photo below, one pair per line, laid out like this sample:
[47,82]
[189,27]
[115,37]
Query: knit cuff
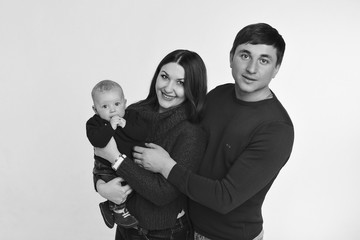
[177,176]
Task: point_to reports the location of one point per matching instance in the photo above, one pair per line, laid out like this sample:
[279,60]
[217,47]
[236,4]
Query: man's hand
[153,158]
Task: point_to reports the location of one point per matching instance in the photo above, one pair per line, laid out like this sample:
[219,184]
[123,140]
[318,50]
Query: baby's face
[109,103]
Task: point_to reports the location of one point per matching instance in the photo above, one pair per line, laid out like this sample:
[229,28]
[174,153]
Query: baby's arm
[98,134]
[136,127]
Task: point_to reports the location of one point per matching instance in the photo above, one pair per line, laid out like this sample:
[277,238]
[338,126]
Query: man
[250,140]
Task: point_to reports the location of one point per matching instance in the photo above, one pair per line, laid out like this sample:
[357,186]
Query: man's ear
[276,71]
[231,59]
[94,108]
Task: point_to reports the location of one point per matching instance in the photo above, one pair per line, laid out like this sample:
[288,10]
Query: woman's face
[169,86]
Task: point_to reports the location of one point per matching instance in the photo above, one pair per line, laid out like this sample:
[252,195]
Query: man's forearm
[166,169]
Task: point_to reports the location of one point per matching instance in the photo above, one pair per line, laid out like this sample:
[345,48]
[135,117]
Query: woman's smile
[167,96]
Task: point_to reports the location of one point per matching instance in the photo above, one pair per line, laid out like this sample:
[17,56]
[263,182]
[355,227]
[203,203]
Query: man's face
[109,103]
[253,67]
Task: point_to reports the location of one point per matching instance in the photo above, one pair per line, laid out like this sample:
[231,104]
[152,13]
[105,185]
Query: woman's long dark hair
[195,82]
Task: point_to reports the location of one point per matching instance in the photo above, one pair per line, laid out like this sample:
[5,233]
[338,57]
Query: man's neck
[256,96]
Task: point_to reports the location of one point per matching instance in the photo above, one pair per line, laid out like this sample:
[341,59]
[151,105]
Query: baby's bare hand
[122,122]
[117,121]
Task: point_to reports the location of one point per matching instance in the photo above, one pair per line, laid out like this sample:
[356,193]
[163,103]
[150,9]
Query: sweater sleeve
[187,152]
[256,167]
[98,134]
[136,128]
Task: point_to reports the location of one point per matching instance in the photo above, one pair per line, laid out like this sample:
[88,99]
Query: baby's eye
[104,106]
[117,104]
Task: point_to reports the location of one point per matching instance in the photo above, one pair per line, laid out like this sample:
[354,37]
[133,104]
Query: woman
[173,106]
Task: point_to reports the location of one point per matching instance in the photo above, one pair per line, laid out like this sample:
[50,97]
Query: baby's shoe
[124,219]
[108,215]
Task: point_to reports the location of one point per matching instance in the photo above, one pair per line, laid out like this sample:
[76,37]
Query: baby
[113,120]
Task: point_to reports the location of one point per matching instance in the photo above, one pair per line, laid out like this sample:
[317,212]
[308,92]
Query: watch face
[118,161]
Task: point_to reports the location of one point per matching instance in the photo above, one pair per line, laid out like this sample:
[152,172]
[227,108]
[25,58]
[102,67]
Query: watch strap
[118,161]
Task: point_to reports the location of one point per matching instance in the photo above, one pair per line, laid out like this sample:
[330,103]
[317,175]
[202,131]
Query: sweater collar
[161,123]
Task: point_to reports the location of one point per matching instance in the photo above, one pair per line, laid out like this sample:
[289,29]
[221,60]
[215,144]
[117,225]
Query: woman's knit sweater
[156,203]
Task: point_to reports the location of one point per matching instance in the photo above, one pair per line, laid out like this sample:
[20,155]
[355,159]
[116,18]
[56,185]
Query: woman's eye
[164,76]
[180,82]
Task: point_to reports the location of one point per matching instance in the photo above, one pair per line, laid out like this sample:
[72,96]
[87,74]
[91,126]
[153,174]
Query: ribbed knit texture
[156,202]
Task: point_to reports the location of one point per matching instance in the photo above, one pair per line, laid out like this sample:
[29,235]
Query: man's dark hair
[260,33]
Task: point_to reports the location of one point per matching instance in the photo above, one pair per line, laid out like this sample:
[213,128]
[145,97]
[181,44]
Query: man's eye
[264,61]
[244,56]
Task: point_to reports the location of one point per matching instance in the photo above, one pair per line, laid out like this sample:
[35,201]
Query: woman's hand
[153,158]
[113,190]
[110,152]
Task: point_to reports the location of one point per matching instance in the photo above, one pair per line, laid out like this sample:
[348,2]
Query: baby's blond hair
[105,85]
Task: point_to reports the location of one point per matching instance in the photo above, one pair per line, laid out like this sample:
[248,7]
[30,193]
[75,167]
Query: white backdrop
[53,52]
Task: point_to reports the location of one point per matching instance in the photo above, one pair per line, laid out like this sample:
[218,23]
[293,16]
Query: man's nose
[252,66]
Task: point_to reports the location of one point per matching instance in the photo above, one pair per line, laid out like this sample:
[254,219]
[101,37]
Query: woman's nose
[169,86]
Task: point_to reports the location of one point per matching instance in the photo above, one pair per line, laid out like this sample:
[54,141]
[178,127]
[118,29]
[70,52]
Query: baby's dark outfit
[99,133]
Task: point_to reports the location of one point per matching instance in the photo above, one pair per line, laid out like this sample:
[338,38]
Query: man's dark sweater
[249,143]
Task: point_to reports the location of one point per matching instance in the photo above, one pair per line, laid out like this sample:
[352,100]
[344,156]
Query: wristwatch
[118,161]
